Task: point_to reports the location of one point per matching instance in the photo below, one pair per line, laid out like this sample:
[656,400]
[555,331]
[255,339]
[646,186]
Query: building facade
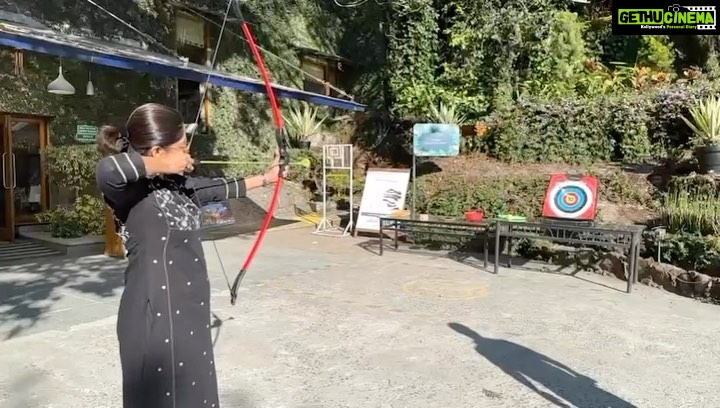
[33,115]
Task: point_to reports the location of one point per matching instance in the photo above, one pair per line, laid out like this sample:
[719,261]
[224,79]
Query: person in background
[163,322]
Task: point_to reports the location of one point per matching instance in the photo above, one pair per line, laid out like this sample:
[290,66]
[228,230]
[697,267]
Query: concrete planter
[83,246]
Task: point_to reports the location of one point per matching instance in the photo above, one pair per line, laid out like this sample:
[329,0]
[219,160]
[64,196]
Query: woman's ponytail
[111,141]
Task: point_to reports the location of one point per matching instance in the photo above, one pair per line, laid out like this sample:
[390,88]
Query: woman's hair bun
[110,141]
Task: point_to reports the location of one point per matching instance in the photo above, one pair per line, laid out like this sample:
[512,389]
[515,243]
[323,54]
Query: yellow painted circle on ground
[446,289]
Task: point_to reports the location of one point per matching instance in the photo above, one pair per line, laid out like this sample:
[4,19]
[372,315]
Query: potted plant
[312,200]
[705,124]
[422,213]
[302,124]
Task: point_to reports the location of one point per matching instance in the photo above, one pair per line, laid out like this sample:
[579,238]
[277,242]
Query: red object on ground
[474,215]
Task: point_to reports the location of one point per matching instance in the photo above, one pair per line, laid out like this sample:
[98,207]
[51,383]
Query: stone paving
[325,322]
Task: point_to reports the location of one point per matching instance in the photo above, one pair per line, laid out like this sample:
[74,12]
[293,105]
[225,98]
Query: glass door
[7,213]
[26,177]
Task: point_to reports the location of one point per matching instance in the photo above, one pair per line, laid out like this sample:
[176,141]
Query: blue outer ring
[570,208]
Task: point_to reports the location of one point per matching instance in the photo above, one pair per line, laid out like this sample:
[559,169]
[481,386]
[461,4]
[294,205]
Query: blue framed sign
[216,215]
[436,139]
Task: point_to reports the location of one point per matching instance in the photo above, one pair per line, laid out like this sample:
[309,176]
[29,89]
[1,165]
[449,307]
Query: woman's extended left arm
[209,190]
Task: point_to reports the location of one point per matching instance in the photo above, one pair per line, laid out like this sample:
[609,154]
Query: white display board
[384,192]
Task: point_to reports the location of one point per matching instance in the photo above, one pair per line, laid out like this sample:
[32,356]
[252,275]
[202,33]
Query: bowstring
[197,119]
[197,202]
[212,66]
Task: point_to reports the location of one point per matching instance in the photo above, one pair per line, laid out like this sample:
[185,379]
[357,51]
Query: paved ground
[324,323]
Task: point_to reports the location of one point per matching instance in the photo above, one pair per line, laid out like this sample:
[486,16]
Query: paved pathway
[323,323]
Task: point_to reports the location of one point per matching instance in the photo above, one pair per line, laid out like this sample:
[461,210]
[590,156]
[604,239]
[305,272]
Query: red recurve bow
[283,146]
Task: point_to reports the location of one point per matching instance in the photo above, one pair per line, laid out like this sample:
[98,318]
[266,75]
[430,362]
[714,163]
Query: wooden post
[113,244]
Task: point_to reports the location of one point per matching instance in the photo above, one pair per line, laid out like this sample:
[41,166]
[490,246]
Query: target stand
[336,157]
[571,200]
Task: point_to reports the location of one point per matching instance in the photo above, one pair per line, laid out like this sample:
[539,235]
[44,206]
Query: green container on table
[512,218]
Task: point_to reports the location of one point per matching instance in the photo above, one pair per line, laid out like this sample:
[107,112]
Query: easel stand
[336,157]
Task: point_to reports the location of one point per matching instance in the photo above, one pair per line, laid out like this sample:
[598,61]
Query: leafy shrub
[72,166]
[421,201]
[517,195]
[558,57]
[627,126]
[631,127]
[569,130]
[656,51]
[687,250]
[85,217]
[619,187]
[338,185]
[412,57]
[669,105]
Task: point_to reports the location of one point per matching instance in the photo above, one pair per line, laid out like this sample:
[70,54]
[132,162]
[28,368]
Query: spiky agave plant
[446,114]
[303,123]
[705,121]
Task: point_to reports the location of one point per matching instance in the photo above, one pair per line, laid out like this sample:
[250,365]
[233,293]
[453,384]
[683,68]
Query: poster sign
[436,139]
[86,133]
[216,215]
[384,192]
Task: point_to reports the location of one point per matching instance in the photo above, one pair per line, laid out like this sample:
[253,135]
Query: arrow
[302,163]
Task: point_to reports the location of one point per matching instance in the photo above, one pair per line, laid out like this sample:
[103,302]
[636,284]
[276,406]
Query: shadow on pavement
[26,390]
[529,368]
[28,290]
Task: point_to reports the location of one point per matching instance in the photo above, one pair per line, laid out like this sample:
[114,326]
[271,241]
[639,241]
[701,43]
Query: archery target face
[570,199]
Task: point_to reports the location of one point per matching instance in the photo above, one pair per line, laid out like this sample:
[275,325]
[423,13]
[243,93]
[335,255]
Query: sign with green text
[664,19]
[86,133]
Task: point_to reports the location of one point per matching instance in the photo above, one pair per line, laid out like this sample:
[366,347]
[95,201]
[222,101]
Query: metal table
[443,226]
[627,237]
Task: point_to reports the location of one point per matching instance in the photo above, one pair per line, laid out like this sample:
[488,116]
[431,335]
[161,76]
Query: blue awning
[121,56]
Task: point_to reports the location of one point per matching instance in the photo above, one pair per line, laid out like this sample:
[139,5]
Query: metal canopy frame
[121,56]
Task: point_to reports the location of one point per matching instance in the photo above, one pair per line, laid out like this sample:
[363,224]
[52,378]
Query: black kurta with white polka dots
[164,317]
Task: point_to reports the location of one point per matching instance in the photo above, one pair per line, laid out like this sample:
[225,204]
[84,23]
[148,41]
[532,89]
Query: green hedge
[520,194]
[629,127]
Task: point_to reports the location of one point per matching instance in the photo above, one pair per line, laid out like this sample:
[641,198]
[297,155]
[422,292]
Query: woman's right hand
[170,161]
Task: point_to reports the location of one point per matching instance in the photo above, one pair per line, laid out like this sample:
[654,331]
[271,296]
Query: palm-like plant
[303,123]
[446,114]
[705,122]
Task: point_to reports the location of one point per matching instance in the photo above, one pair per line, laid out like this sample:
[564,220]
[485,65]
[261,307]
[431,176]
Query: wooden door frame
[8,232]
[43,126]
[44,129]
